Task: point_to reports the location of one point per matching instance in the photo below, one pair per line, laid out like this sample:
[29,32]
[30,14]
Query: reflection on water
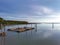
[43,34]
[0,27]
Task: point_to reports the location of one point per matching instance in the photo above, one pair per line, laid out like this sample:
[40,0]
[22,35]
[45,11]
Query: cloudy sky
[30,10]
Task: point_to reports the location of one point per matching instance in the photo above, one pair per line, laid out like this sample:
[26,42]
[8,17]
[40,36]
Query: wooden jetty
[21,29]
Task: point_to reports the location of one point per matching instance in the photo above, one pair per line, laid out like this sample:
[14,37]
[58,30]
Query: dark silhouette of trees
[11,22]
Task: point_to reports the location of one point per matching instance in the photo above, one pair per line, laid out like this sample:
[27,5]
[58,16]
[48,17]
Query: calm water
[45,34]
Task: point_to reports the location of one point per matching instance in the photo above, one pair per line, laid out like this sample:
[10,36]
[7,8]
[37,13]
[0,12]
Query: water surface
[45,34]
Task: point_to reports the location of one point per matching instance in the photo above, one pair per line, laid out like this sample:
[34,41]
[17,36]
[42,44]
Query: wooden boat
[12,29]
[20,29]
[29,28]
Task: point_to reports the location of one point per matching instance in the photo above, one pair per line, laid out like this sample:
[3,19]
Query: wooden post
[1,28]
[52,25]
[36,27]
[1,32]
[4,27]
[31,25]
[26,25]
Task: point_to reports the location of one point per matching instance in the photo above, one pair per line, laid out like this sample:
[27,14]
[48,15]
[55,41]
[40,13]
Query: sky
[30,10]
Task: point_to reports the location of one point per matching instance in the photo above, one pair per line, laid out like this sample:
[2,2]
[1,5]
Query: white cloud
[42,10]
[43,14]
[37,14]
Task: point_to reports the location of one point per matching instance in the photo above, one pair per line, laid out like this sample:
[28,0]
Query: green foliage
[10,22]
[1,19]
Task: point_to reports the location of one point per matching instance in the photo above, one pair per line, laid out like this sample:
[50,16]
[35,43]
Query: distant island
[11,22]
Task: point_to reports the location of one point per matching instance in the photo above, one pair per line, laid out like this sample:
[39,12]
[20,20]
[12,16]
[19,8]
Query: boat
[21,29]
[12,29]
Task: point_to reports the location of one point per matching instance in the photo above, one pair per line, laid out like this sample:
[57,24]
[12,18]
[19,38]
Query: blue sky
[30,10]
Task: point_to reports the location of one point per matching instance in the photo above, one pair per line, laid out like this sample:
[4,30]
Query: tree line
[11,22]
